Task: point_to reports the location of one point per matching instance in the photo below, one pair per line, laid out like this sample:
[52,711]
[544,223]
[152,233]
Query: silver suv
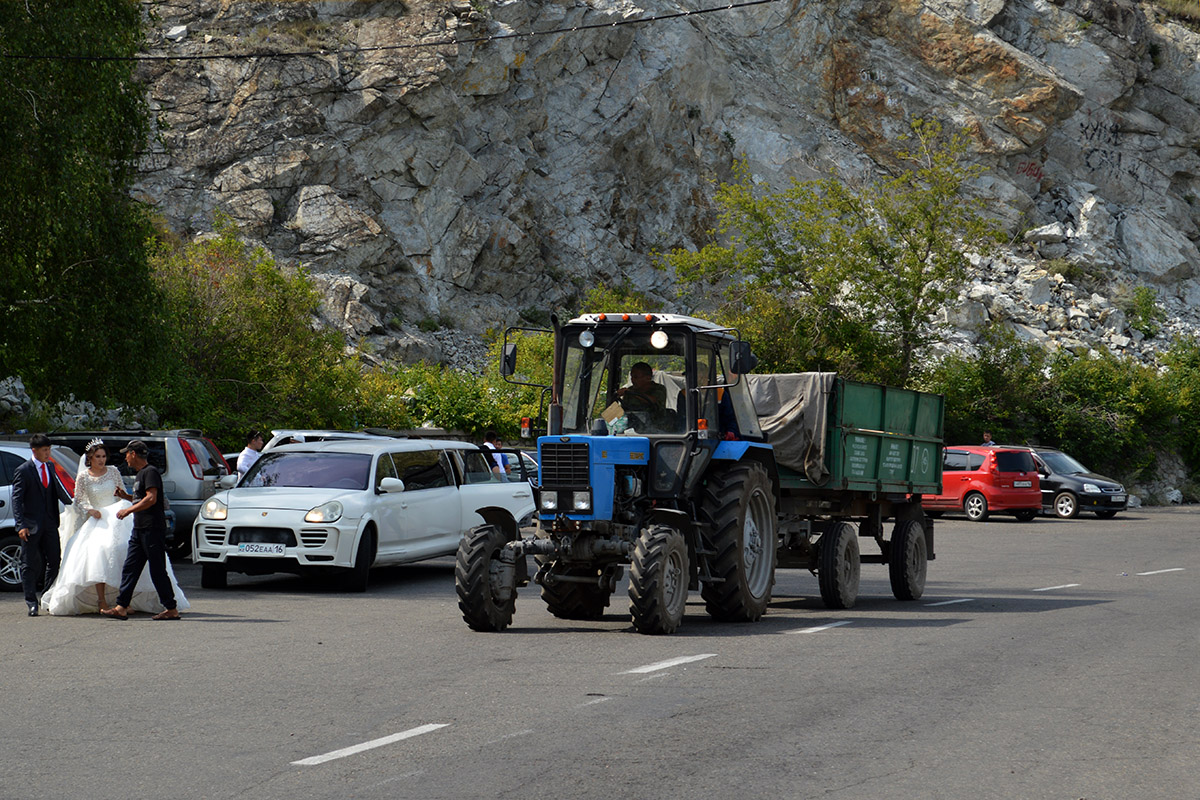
[190,463]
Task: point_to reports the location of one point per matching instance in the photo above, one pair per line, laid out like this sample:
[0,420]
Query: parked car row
[980,480]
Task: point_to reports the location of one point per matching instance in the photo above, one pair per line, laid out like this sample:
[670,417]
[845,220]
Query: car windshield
[310,470]
[1062,464]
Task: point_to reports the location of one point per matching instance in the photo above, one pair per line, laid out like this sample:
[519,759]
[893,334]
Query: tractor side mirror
[508,361]
[741,359]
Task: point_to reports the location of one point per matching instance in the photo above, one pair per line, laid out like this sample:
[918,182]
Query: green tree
[80,309]
[247,349]
[999,389]
[854,277]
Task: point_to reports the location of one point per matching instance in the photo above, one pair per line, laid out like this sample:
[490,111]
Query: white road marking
[672,662]
[1161,571]
[820,628]
[358,748]
[593,702]
[525,732]
[1052,588]
[952,602]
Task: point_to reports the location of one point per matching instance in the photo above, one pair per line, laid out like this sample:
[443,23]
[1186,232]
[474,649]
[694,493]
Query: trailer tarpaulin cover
[792,410]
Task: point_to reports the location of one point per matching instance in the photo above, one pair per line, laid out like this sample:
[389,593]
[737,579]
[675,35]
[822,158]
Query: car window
[1010,461]
[477,467]
[8,467]
[954,460]
[384,468]
[422,469]
[1063,464]
[211,460]
[975,460]
[313,470]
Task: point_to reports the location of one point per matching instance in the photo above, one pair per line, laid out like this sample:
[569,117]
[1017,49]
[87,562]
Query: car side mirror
[227,481]
[390,486]
[508,361]
[741,359]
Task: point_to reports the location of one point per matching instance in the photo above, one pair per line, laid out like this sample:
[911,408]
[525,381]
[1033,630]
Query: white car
[347,505]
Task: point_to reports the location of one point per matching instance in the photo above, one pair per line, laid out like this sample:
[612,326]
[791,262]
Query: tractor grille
[564,465]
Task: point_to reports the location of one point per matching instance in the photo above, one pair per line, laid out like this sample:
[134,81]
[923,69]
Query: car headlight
[214,508]
[326,512]
[548,501]
[1091,488]
[581,501]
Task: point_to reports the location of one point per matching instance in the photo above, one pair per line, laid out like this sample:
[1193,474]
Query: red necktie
[45,478]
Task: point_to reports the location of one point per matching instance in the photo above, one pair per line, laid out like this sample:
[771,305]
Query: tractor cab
[653,375]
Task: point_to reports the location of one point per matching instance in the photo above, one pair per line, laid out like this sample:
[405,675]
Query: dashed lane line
[671,662]
[1052,588]
[819,628]
[358,748]
[952,602]
[1161,571]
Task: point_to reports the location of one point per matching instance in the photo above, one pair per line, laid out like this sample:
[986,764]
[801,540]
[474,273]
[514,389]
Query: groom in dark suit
[35,495]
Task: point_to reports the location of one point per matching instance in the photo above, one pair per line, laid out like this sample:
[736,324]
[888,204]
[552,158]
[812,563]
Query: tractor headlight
[548,501]
[581,501]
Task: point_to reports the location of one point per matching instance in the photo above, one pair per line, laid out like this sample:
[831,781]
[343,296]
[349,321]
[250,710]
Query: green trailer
[851,457]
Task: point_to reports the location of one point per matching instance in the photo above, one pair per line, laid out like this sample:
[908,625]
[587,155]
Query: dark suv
[190,465]
[1068,486]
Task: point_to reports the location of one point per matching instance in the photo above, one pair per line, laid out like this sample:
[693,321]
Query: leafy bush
[245,343]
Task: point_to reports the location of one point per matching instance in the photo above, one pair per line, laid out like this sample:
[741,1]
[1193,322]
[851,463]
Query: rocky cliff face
[433,164]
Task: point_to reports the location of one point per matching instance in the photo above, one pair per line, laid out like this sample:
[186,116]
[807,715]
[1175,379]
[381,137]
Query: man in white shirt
[246,459]
[491,440]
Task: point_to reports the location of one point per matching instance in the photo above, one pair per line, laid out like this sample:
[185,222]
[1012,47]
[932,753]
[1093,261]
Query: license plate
[1118,498]
[1022,484]
[260,549]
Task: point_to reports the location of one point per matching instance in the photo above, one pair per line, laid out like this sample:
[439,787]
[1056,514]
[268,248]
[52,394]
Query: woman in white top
[93,558]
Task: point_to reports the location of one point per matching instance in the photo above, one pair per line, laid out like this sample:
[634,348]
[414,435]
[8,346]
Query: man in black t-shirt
[149,540]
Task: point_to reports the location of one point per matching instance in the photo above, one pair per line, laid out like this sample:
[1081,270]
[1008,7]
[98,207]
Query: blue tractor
[653,459]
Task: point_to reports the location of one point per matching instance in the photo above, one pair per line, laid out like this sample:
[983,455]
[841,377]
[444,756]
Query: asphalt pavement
[1049,659]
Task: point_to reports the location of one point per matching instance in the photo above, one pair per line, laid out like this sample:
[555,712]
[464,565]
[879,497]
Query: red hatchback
[980,479]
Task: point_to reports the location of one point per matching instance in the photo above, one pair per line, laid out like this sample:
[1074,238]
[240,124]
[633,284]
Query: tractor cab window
[623,379]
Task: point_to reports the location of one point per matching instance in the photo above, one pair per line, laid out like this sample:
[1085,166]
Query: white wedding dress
[96,554]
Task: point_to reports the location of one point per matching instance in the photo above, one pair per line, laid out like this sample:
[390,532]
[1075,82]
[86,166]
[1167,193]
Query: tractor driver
[643,394]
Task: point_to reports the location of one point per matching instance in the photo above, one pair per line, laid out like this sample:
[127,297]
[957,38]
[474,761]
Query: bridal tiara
[93,443]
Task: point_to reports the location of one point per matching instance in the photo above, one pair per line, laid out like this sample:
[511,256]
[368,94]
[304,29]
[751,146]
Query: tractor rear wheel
[576,600]
[739,508]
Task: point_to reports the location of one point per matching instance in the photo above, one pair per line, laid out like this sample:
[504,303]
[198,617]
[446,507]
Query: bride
[94,556]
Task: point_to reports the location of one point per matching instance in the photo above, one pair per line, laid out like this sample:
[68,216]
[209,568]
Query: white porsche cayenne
[346,505]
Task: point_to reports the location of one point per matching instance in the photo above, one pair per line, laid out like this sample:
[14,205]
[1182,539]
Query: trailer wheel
[740,510]
[658,580]
[478,583]
[838,565]
[907,560]
[576,600]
